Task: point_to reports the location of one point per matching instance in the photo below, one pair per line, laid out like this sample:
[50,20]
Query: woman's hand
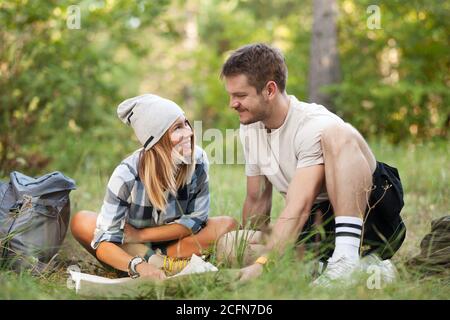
[147,270]
[131,234]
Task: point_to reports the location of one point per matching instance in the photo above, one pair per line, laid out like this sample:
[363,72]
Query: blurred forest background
[59,87]
[381,65]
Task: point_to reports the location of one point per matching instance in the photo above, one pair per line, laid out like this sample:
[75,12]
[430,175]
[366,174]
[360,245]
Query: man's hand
[251,272]
[131,234]
[147,270]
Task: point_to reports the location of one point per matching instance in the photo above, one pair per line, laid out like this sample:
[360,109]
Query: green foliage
[61,86]
[395,79]
[57,82]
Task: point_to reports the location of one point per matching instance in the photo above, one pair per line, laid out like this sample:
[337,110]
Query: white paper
[196,265]
[89,284]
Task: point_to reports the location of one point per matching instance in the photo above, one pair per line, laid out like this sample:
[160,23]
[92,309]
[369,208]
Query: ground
[425,175]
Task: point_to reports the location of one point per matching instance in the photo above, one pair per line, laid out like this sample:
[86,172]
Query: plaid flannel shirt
[126,201]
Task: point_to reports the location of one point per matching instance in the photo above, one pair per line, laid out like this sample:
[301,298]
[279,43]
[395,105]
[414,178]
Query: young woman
[157,200]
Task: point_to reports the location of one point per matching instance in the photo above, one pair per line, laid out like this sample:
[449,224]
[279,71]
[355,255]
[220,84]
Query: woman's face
[180,135]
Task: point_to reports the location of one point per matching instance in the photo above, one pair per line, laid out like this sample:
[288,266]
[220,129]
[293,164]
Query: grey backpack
[34,217]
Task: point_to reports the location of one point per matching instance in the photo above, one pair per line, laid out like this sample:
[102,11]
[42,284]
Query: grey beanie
[150,116]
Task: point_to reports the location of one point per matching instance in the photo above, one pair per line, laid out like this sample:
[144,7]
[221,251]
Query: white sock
[348,237]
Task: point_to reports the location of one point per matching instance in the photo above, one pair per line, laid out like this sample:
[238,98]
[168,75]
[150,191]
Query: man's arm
[258,202]
[302,191]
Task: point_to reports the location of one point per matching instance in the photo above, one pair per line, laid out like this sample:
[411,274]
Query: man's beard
[260,116]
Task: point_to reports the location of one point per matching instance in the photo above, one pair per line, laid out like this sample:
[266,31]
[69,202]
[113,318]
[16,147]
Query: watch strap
[132,272]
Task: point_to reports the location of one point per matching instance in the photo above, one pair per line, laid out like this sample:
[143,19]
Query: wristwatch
[132,267]
[262,260]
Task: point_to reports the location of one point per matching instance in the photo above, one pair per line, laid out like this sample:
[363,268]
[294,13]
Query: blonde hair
[159,171]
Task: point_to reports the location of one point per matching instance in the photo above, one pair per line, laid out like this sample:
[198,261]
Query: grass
[425,174]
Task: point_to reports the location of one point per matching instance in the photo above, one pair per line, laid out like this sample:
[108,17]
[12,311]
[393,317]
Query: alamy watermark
[380,275]
[252,146]
[374,280]
[73,20]
[374,20]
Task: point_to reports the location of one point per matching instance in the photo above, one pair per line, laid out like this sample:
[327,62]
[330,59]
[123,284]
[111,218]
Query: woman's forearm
[113,255]
[167,232]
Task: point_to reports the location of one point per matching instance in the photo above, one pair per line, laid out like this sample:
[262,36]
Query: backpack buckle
[20,206]
[26,202]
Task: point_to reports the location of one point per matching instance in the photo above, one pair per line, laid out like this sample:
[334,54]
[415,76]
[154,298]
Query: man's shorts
[384,230]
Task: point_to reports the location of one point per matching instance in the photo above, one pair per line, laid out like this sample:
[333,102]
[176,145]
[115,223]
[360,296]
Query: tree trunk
[324,58]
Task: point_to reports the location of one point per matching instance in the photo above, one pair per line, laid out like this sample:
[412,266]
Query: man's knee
[339,137]
[244,243]
[225,246]
[240,238]
[227,224]
[231,224]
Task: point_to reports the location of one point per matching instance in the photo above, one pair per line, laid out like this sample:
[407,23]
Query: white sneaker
[338,271]
[390,271]
[321,268]
[387,269]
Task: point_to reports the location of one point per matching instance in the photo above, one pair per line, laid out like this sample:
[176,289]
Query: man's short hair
[260,63]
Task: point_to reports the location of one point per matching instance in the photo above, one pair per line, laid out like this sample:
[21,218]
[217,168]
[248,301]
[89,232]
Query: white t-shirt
[296,144]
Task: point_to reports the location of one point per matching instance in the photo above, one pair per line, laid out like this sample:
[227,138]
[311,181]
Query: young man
[322,166]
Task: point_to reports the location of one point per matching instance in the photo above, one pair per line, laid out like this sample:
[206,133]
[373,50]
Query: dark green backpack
[434,257]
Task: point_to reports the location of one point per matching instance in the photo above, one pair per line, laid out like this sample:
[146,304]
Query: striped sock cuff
[348,227]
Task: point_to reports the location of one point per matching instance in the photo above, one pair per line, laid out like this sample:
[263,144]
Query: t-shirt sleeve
[251,166]
[308,141]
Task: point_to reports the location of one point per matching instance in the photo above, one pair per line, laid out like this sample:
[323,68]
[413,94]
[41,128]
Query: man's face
[252,107]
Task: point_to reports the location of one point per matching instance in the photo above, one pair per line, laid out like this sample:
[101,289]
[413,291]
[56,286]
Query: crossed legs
[84,222]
